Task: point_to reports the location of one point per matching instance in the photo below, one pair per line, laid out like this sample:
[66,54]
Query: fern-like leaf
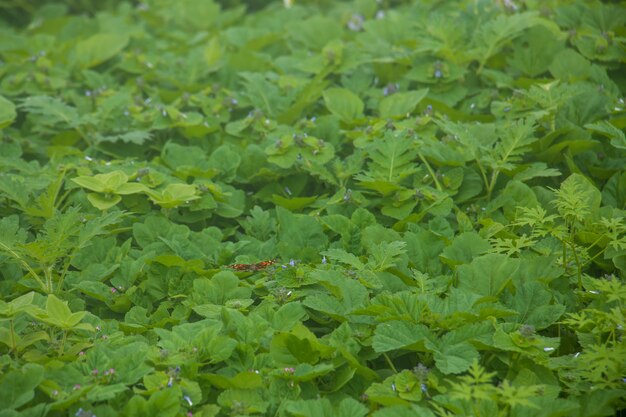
[392,158]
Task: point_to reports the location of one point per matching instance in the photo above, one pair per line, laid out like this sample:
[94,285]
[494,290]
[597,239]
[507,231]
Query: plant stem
[391,365]
[430,171]
[63,340]
[25,265]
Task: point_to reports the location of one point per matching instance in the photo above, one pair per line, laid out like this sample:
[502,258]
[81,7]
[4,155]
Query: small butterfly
[252,267]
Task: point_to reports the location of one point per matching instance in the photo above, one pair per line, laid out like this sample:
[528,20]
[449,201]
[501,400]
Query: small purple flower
[95,372]
[170,382]
[113,290]
[186,398]
[324,259]
[292,263]
[76,387]
[81,353]
[355,23]
[289,370]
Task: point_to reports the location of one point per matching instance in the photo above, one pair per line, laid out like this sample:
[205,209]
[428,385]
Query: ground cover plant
[368,208]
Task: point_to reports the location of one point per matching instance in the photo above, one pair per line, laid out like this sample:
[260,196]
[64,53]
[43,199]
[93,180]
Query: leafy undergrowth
[440,185]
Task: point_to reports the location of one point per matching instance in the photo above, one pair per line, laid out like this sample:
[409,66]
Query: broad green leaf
[454,359]
[99,48]
[165,403]
[532,301]
[323,408]
[174,195]
[535,50]
[605,128]
[570,66]
[300,236]
[289,350]
[464,248]
[94,183]
[401,104]
[287,316]
[59,314]
[343,103]
[17,305]
[18,387]
[103,202]
[487,275]
[7,112]
[396,335]
[403,411]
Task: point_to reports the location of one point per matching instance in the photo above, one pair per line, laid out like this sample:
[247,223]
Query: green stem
[12,330]
[431,172]
[25,265]
[63,340]
[578,267]
[492,183]
[388,360]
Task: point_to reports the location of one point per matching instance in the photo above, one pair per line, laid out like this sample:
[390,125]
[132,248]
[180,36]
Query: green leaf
[59,314]
[532,301]
[51,111]
[17,387]
[99,48]
[392,159]
[403,411]
[343,103]
[401,104]
[174,195]
[165,403]
[396,335]
[568,65]
[103,202]
[289,350]
[535,50]
[454,359]
[487,275]
[605,128]
[323,408]
[7,112]
[464,248]
[300,236]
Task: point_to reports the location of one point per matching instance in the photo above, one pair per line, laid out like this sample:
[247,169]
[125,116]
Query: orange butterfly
[252,267]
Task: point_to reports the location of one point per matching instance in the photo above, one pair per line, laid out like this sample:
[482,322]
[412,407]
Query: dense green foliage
[442,185]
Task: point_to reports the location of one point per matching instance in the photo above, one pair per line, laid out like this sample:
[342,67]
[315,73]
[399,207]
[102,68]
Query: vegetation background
[364,208]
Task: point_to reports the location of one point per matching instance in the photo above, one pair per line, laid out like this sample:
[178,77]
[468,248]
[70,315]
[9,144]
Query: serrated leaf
[396,335]
[401,104]
[343,103]
[7,112]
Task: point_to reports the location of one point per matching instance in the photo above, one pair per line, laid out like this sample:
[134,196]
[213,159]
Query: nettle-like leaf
[494,34]
[577,200]
[392,158]
[51,111]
